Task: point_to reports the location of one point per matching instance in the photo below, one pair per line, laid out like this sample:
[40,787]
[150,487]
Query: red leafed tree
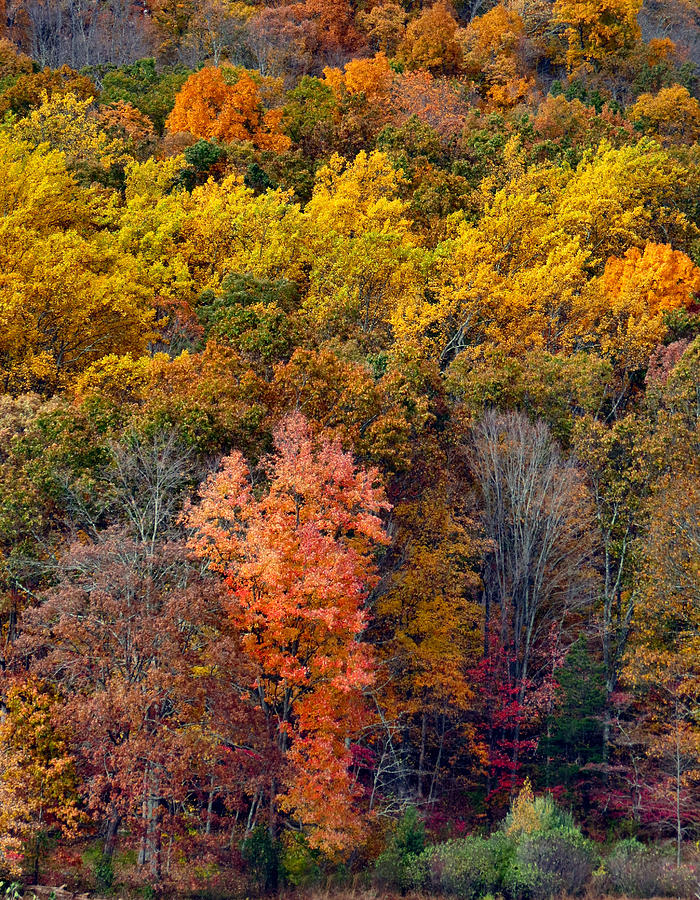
[336,27]
[506,721]
[298,561]
[132,638]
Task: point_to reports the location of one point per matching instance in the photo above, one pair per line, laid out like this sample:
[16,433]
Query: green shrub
[396,866]
[563,857]
[469,867]
[525,866]
[464,868]
[299,863]
[634,870]
[104,874]
[262,854]
[391,870]
[525,882]
[503,850]
[409,836]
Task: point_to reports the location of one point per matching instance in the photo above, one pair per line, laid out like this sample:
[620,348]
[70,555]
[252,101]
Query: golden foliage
[432,42]
[66,123]
[597,29]
[672,113]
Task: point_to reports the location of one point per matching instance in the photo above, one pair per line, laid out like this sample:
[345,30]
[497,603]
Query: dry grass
[371,894]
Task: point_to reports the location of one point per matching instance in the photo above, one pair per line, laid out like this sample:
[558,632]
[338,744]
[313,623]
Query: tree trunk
[210,805]
[421,758]
[111,836]
[679,823]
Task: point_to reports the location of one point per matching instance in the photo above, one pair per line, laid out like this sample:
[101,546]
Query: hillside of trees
[350,446]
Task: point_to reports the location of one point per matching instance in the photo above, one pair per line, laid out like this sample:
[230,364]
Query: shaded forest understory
[349,455]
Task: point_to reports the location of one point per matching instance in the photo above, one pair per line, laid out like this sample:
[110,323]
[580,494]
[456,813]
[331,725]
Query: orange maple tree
[225,104]
[639,290]
[299,564]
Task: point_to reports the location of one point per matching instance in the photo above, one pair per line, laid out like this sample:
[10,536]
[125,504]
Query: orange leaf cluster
[211,107]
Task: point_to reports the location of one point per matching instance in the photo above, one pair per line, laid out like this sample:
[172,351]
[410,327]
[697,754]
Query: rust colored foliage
[663,360]
[133,637]
[12,62]
[122,120]
[335,24]
[435,101]
[494,56]
[29,89]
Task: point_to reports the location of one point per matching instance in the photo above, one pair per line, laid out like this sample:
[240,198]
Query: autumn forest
[350,448]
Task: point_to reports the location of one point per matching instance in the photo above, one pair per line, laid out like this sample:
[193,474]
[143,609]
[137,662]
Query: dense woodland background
[349,445]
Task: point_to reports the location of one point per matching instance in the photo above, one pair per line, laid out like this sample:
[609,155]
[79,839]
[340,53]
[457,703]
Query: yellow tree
[355,196]
[621,197]
[364,263]
[65,122]
[38,783]
[65,302]
[228,229]
[511,280]
[37,192]
[68,293]
[150,224]
[672,114]
[597,29]
[432,41]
